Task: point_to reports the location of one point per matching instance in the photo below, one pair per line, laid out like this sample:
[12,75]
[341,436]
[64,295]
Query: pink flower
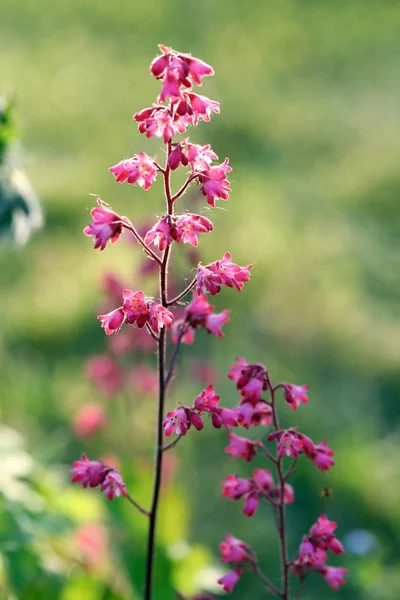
[289,443]
[135,307]
[207,401]
[159,316]
[105,373]
[107,225]
[334,576]
[224,416]
[188,228]
[200,157]
[223,271]
[229,580]
[185,66]
[323,527]
[295,394]
[113,485]
[250,414]
[234,550]
[139,169]
[198,107]
[251,503]
[112,321]
[242,447]
[235,487]
[322,457]
[89,472]
[215,184]
[160,234]
[215,322]
[263,480]
[177,422]
[251,379]
[158,121]
[89,419]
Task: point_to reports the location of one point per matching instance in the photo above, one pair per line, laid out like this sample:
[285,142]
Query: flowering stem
[180,192]
[137,506]
[300,588]
[161,356]
[173,359]
[187,289]
[128,225]
[281,511]
[173,443]
[268,584]
[151,332]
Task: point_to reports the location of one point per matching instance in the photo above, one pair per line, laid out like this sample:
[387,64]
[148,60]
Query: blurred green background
[310,97]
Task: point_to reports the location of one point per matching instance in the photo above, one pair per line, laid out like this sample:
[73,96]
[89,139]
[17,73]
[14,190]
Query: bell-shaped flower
[139,169]
[107,226]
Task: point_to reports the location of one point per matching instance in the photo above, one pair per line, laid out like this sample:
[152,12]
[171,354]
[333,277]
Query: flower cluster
[179,421]
[94,473]
[313,553]
[136,310]
[184,228]
[261,485]
[236,551]
[211,277]
[199,313]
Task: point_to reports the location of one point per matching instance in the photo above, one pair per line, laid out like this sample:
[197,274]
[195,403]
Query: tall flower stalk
[177,108]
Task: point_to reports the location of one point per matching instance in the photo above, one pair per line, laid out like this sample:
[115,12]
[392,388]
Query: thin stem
[281,526]
[173,359]
[268,584]
[182,190]
[161,355]
[182,294]
[268,454]
[290,470]
[172,444]
[128,225]
[151,332]
[137,506]
[300,588]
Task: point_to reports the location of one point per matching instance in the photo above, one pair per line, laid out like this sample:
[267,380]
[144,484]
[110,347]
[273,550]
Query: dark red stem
[183,293]
[161,356]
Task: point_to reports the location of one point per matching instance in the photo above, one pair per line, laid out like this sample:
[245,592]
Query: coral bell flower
[235,487]
[157,121]
[107,225]
[221,272]
[229,580]
[89,472]
[334,576]
[234,550]
[200,107]
[242,447]
[112,321]
[295,394]
[113,485]
[160,234]
[135,307]
[159,316]
[323,457]
[188,228]
[215,322]
[214,182]
[139,169]
[89,419]
[176,421]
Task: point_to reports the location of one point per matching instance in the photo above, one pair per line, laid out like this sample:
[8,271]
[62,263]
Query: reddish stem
[183,189]
[281,525]
[183,293]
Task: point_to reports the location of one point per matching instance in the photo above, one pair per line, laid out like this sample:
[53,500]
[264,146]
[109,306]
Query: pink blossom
[183,331]
[323,527]
[160,234]
[207,401]
[89,472]
[188,228]
[200,157]
[112,321]
[288,494]
[159,122]
[105,373]
[159,316]
[139,169]
[263,480]
[251,503]
[251,379]
[135,307]
[289,443]
[224,416]
[223,271]
[215,322]
[198,107]
[242,447]
[235,487]
[176,421]
[334,576]
[185,66]
[113,485]
[229,580]
[322,457]
[234,550]
[106,226]
[214,182]
[295,394]
[89,419]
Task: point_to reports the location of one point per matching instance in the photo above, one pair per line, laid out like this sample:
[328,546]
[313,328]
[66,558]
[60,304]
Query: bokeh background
[310,98]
